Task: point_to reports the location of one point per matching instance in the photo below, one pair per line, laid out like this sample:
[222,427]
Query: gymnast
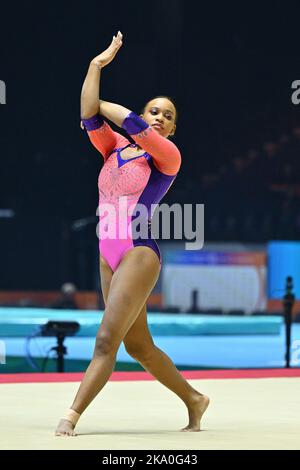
[129,266]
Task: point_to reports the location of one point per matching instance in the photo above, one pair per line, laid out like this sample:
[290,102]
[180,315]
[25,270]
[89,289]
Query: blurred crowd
[254,197]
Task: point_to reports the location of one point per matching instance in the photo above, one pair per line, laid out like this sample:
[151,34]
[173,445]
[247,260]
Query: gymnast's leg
[139,344]
[129,289]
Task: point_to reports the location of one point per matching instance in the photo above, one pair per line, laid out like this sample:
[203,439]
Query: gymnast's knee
[105,344]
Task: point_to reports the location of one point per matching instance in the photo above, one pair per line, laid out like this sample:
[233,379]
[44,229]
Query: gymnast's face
[160,113]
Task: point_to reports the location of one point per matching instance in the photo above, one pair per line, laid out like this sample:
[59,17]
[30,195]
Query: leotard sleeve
[165,154]
[102,136]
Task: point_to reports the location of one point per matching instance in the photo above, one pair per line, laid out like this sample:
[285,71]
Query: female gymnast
[129,267]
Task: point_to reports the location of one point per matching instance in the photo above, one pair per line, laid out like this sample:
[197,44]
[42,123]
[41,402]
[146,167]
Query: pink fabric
[106,140]
[129,180]
[165,154]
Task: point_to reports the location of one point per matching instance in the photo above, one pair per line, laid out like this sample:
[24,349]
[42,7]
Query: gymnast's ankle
[72,416]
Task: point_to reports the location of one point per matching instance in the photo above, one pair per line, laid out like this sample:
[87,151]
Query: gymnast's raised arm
[89,102]
[103,138]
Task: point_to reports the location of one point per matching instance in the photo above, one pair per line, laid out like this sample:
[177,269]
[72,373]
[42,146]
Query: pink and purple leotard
[143,179]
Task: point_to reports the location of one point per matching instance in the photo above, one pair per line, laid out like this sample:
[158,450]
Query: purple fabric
[156,188]
[122,162]
[133,124]
[93,122]
[150,243]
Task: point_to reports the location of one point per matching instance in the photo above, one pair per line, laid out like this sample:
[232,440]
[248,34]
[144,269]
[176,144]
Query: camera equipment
[60,329]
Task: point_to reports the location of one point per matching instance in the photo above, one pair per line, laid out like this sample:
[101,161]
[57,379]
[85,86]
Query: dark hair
[168,98]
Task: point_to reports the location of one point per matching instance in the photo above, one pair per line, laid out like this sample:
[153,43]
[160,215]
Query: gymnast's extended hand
[109,54]
[100,61]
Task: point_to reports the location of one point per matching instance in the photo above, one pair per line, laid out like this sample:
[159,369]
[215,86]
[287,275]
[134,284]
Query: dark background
[230,69]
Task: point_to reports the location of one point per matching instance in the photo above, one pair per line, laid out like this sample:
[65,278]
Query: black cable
[45,360]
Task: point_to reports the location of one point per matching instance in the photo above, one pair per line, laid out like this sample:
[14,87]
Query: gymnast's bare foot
[65,428]
[196,409]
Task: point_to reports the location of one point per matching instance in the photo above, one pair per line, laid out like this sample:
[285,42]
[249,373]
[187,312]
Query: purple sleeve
[133,124]
[93,122]
[165,154]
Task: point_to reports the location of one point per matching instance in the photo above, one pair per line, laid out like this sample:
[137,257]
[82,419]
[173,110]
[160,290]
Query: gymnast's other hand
[109,54]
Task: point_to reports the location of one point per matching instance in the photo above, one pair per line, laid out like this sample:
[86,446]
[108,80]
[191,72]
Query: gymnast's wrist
[96,64]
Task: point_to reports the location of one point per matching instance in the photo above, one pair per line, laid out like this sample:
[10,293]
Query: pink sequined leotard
[144,179]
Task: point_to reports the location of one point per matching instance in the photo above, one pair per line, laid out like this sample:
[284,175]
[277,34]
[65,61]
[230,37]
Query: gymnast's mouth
[157,125]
